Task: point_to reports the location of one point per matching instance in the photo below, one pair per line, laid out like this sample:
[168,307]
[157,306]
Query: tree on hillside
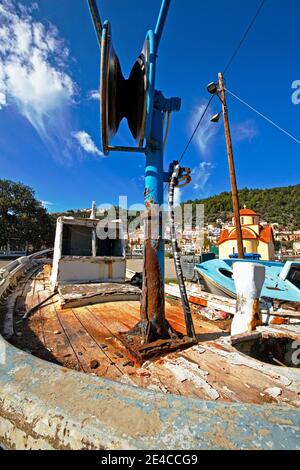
[275,205]
[23,219]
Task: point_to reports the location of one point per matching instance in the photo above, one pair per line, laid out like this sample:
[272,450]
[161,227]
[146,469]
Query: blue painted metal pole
[154,173]
[161,21]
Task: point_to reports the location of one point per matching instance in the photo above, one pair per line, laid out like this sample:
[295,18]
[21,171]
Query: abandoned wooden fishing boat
[78,324]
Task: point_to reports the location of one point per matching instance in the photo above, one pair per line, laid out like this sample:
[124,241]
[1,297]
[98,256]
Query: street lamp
[219,91]
[212,88]
[216,117]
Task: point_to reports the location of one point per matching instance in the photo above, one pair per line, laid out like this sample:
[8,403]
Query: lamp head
[215,117]
[212,88]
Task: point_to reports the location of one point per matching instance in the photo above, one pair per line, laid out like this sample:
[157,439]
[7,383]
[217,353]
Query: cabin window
[242,220]
[226,273]
[233,250]
[245,249]
[77,240]
[109,247]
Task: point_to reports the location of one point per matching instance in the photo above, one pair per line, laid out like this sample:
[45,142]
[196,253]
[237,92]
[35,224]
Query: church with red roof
[257,239]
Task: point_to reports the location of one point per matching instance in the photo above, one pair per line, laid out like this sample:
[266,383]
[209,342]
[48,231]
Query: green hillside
[276,205]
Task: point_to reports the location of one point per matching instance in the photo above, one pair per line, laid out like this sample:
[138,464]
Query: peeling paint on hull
[43,406]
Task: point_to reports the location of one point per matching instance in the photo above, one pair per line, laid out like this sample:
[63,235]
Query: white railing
[10,273]
[9,253]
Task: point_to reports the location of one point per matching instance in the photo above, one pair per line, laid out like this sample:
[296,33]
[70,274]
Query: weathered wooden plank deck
[86,339]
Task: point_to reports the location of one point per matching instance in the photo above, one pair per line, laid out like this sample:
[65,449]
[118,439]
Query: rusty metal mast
[234,191]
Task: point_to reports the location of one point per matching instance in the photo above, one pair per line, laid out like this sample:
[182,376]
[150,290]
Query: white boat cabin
[88,251]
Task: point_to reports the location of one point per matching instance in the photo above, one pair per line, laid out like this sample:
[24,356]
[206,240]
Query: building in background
[257,239]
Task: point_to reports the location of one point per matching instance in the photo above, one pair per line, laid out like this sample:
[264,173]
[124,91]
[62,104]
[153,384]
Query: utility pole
[234,191]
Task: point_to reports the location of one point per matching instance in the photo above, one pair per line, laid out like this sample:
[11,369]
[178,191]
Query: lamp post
[219,90]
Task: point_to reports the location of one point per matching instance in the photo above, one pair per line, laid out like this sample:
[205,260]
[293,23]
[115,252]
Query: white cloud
[94,95]
[244,131]
[46,204]
[201,174]
[33,73]
[87,143]
[204,139]
[207,130]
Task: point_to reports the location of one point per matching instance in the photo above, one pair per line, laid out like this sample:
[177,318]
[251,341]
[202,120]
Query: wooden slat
[35,322]
[102,326]
[247,384]
[202,382]
[86,349]
[54,335]
[103,334]
[113,316]
[101,318]
[174,316]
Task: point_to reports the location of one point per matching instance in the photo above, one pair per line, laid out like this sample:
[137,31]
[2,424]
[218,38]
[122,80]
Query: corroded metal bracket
[140,351]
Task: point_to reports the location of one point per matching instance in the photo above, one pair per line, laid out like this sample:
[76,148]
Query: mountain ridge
[275,205]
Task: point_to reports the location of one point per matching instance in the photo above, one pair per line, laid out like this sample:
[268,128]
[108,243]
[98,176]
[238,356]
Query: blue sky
[49,111]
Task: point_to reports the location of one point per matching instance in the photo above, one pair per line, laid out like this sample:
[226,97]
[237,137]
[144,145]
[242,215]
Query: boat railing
[12,254]
[10,273]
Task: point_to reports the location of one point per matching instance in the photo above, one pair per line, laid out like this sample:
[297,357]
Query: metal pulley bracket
[182,176]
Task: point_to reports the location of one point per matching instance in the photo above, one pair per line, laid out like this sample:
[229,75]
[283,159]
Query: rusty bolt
[94,364]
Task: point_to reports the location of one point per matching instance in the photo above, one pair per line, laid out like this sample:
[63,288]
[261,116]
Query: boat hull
[216,276]
[216,289]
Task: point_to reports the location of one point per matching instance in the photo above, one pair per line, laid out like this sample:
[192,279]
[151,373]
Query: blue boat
[282,280]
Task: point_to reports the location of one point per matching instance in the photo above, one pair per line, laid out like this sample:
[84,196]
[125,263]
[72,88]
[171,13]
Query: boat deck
[86,339]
